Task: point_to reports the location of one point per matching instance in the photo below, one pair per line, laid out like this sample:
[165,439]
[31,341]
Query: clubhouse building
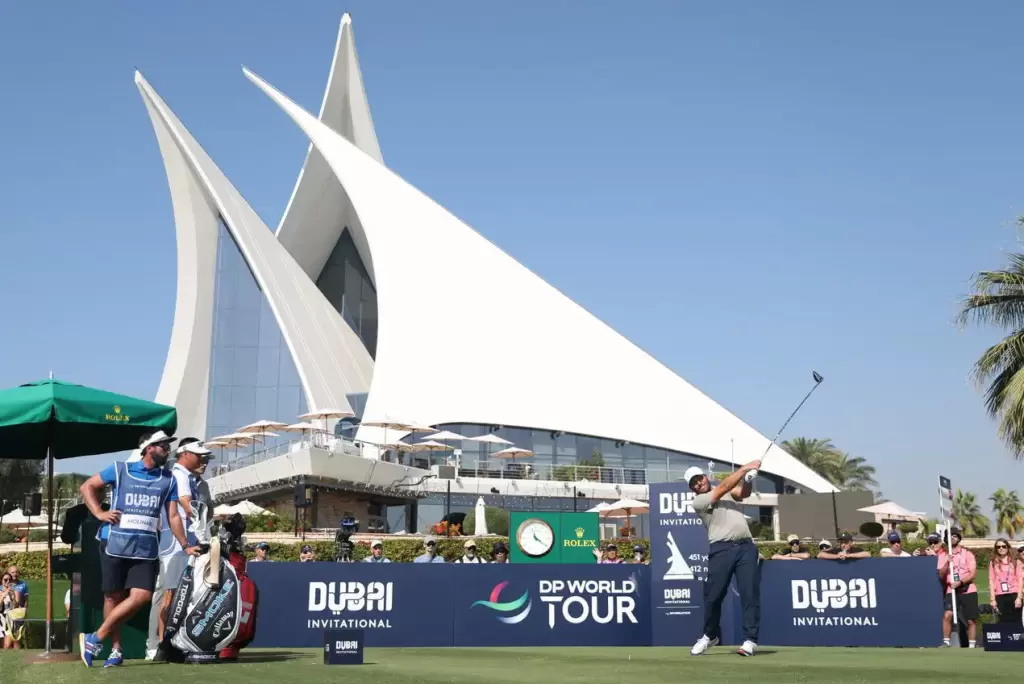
[372,303]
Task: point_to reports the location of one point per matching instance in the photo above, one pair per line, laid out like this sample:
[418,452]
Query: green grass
[550,665]
[37,599]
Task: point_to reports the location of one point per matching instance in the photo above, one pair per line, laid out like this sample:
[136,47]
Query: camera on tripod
[343,539]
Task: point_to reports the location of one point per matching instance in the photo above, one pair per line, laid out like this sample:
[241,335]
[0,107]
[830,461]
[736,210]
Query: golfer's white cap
[196,448]
[692,472]
[158,437]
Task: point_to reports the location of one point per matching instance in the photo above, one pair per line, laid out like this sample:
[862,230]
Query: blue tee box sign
[1008,637]
[343,647]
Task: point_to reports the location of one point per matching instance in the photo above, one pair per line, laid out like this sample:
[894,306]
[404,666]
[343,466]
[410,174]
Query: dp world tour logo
[508,607]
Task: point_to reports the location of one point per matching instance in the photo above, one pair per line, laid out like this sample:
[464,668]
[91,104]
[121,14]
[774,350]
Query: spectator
[471,555]
[608,555]
[895,548]
[6,604]
[934,547]
[376,553]
[824,545]
[20,587]
[640,555]
[430,552]
[262,553]
[499,553]
[1004,582]
[795,550]
[958,573]
[67,603]
[307,555]
[847,551]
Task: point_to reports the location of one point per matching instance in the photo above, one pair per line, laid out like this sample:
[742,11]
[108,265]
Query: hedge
[33,564]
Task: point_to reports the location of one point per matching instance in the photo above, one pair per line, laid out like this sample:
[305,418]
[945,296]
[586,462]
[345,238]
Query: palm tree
[820,455]
[998,300]
[854,474]
[1008,511]
[968,515]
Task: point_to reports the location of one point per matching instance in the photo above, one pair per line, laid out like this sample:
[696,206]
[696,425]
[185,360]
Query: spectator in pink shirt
[958,574]
[1004,573]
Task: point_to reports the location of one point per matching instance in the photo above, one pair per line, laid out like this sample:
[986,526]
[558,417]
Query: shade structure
[890,510]
[298,427]
[447,436]
[513,452]
[52,419]
[326,414]
[431,445]
[490,438]
[17,518]
[600,508]
[389,423]
[626,508]
[74,420]
[262,426]
[244,507]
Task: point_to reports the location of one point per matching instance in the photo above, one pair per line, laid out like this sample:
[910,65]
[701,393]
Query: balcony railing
[523,469]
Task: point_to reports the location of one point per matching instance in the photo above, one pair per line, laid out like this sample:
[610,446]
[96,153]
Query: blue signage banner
[1003,636]
[679,556]
[343,647]
[551,605]
[867,602]
[394,604]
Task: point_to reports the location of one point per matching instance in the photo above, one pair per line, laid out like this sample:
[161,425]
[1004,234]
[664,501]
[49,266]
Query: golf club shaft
[817,381]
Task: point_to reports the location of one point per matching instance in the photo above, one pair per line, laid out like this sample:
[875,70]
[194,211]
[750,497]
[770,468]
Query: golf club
[749,477]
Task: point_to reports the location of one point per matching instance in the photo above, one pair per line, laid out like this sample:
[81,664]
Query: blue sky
[746,190]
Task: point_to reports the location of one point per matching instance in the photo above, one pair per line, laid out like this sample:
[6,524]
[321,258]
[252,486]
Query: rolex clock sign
[553,537]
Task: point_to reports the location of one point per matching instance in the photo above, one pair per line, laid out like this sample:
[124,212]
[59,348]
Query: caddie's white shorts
[171,569]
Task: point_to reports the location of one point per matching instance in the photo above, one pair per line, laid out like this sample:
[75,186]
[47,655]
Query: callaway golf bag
[206,611]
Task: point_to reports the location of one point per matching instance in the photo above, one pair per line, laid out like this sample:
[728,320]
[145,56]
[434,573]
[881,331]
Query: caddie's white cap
[692,472]
[158,437]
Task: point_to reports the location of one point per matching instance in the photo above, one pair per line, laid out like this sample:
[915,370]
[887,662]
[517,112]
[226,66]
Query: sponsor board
[679,557]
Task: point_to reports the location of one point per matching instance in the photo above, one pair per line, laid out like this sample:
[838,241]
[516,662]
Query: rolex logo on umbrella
[117,416]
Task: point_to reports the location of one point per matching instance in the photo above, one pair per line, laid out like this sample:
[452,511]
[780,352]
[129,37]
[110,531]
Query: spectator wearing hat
[608,555]
[824,545]
[307,555]
[376,553]
[429,554]
[794,550]
[958,573]
[1004,583]
[934,547]
[262,553]
[499,553]
[470,555]
[640,555]
[895,548]
[846,550]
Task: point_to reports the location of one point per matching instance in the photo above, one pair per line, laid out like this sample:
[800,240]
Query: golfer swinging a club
[731,551]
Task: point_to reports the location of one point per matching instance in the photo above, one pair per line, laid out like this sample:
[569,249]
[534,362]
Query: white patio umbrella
[431,445]
[326,414]
[599,508]
[17,518]
[625,508]
[298,427]
[263,428]
[447,436]
[513,452]
[248,508]
[390,423]
[490,439]
[237,439]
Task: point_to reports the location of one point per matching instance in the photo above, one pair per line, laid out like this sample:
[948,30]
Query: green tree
[853,473]
[998,300]
[497,521]
[820,455]
[1008,511]
[17,478]
[968,515]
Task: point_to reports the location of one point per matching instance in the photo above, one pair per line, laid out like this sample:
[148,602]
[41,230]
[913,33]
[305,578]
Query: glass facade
[622,462]
[346,284]
[252,374]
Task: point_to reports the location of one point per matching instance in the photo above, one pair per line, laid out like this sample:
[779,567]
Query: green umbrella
[63,421]
[52,419]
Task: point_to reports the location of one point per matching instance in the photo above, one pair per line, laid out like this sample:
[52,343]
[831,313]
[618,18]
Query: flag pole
[946,495]
[49,545]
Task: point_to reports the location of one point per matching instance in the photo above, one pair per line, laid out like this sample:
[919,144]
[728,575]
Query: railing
[523,469]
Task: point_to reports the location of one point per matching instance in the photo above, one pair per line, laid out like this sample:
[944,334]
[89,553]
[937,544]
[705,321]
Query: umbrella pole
[49,550]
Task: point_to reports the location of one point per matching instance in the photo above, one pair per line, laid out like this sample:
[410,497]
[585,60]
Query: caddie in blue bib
[140,501]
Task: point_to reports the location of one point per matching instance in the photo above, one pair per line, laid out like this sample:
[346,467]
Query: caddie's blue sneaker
[115,659]
[89,646]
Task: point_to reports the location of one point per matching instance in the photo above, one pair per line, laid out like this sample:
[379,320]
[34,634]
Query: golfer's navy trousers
[724,560]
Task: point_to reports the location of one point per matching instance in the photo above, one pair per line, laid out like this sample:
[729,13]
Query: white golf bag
[205,613]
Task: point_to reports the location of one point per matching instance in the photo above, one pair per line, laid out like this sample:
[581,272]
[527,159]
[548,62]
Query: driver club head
[817,376]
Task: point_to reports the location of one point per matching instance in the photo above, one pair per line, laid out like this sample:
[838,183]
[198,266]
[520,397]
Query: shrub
[7,536]
[497,521]
[908,527]
[268,523]
[37,535]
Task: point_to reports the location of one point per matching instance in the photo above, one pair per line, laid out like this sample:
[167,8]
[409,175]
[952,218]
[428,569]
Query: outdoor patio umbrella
[389,423]
[489,439]
[52,419]
[625,508]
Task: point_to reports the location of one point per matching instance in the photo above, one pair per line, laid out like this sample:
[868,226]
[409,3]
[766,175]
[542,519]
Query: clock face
[535,537]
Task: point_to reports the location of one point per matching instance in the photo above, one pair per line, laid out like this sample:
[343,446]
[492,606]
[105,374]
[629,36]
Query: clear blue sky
[746,190]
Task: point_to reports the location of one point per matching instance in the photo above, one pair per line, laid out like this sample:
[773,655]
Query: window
[346,284]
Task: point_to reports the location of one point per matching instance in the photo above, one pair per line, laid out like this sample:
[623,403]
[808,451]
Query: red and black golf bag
[249,601]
